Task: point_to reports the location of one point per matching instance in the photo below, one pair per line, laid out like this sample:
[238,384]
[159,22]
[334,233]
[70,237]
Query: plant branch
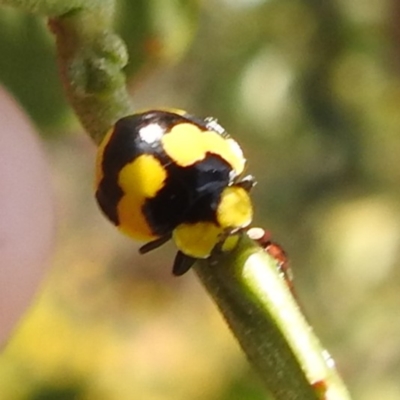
[261,311]
[50,8]
[91,59]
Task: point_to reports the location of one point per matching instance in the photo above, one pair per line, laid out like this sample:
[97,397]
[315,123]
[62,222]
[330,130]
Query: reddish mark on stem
[263,238]
[321,388]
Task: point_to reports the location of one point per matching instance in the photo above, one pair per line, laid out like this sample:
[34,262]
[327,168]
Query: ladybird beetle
[165,174]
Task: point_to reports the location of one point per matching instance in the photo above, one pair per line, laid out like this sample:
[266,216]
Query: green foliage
[28,67]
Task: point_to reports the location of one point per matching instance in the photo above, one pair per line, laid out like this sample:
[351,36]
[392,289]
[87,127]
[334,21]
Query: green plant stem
[91,59]
[262,313]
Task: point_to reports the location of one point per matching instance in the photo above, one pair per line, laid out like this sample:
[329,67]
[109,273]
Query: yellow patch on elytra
[187,144]
[140,179]
[133,223]
[143,177]
[184,144]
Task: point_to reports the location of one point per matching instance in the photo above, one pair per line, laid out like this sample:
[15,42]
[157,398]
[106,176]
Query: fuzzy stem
[51,8]
[91,58]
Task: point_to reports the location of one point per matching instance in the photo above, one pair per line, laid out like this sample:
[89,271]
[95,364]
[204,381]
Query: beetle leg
[247,182]
[154,244]
[182,263]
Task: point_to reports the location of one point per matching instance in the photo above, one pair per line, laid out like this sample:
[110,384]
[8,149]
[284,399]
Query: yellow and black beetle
[166,174]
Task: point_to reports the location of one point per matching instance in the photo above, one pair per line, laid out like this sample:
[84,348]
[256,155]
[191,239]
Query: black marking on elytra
[191,194]
[108,196]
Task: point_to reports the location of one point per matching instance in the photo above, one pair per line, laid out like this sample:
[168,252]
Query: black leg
[247,182]
[182,263]
[154,244]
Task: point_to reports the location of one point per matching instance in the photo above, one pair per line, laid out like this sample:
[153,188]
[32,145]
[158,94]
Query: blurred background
[311,90]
